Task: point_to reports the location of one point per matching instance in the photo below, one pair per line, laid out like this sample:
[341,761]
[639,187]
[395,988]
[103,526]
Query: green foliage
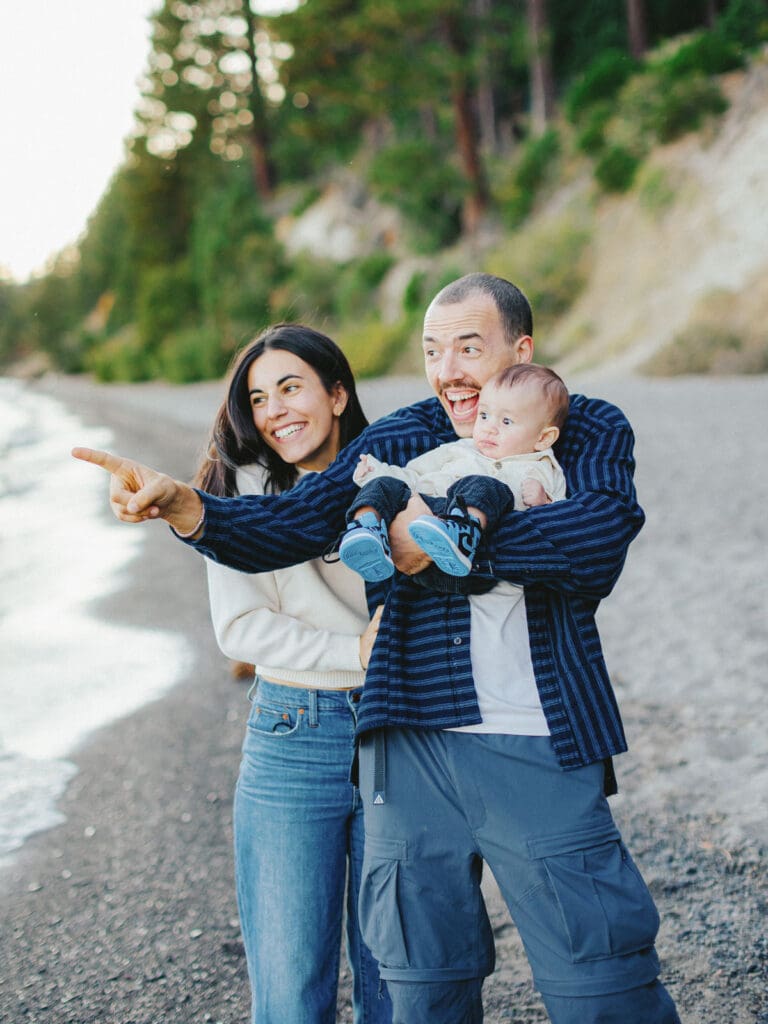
[307,291]
[167,299]
[654,190]
[744,22]
[49,307]
[122,358]
[357,282]
[683,106]
[308,198]
[709,53]
[9,321]
[601,81]
[654,107]
[550,262]
[192,354]
[414,296]
[591,136]
[417,177]
[615,169]
[236,259]
[181,255]
[582,31]
[372,346]
[534,167]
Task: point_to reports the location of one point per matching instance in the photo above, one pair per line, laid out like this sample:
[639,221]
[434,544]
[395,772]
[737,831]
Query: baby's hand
[365,467]
[534,493]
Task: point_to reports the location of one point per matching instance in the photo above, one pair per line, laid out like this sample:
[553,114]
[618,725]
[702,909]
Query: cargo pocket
[380,919]
[604,904]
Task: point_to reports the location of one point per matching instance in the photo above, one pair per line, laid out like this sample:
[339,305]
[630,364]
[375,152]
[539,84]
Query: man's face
[464,346]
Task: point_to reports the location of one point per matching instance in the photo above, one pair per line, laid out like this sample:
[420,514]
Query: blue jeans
[438,804]
[298,824]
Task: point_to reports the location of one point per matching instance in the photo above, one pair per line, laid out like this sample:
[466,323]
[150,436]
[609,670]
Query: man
[488,722]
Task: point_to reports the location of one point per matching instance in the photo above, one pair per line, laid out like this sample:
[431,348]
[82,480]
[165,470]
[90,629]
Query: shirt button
[457,640]
[497,465]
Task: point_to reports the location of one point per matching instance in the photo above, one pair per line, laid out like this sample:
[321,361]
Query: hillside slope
[656,260]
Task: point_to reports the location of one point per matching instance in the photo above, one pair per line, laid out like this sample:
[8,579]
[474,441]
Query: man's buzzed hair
[514,309]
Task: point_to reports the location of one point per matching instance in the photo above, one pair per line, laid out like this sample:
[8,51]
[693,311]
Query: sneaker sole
[364,556]
[440,548]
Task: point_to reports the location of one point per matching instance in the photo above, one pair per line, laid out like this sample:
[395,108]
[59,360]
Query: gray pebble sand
[125,914]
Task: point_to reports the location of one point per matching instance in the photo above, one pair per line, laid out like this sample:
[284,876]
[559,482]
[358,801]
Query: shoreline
[126,912]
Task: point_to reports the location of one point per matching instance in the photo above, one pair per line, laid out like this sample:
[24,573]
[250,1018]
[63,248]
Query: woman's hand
[368,639]
[138,493]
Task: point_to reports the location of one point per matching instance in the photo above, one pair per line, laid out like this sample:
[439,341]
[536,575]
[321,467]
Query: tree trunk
[710,13]
[638,40]
[467,136]
[486,104]
[540,64]
[258,135]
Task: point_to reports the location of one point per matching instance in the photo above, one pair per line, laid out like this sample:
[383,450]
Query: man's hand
[138,493]
[406,553]
[533,493]
[368,639]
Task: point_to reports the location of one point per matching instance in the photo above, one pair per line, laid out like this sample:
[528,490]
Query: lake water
[58,552]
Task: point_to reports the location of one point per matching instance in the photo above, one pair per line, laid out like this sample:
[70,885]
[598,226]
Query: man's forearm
[578,545]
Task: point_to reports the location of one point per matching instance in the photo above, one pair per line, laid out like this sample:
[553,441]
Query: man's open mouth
[462,402]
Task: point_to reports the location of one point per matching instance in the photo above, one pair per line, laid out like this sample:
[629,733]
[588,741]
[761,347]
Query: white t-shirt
[506,686]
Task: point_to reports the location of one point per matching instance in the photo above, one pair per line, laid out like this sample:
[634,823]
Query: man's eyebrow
[288,376]
[468,336]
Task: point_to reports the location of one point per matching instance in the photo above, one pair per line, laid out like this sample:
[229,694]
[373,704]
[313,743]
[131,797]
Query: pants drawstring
[379,767]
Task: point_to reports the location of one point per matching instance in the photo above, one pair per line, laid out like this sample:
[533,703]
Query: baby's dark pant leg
[386,494]
[491,496]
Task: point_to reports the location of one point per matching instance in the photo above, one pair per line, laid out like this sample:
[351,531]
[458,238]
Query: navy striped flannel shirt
[567,556]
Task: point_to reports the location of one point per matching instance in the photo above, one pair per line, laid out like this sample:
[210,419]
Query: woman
[291,406]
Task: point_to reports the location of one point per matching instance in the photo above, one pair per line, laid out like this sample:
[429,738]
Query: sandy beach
[125,914]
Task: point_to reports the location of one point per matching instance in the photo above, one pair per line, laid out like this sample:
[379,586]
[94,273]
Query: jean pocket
[272,721]
[603,903]
[380,916]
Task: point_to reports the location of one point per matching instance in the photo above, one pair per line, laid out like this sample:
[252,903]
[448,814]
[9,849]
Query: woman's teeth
[283,432]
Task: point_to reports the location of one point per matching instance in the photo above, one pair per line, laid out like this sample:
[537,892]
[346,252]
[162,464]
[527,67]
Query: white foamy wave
[59,675]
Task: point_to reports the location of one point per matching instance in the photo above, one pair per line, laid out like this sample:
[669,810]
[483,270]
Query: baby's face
[510,421]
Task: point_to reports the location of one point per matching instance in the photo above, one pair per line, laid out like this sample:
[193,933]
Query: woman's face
[292,410]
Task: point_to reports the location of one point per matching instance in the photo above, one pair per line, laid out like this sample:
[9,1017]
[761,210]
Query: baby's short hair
[553,390]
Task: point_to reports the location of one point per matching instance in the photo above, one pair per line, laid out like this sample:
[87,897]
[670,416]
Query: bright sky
[68,88]
[68,82]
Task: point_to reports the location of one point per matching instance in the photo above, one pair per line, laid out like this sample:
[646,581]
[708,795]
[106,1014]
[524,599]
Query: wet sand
[125,914]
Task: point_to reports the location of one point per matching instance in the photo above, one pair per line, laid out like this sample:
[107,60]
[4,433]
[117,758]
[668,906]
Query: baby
[507,463]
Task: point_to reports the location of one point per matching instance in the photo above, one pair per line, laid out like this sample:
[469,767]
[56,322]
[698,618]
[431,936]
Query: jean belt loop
[313,709]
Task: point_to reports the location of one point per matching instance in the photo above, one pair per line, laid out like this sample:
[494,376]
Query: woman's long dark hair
[235,441]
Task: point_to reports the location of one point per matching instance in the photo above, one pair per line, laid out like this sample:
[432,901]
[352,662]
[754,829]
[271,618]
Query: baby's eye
[483,415]
[507,421]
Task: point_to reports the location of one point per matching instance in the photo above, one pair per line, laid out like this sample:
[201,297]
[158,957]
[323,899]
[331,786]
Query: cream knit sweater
[302,624]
